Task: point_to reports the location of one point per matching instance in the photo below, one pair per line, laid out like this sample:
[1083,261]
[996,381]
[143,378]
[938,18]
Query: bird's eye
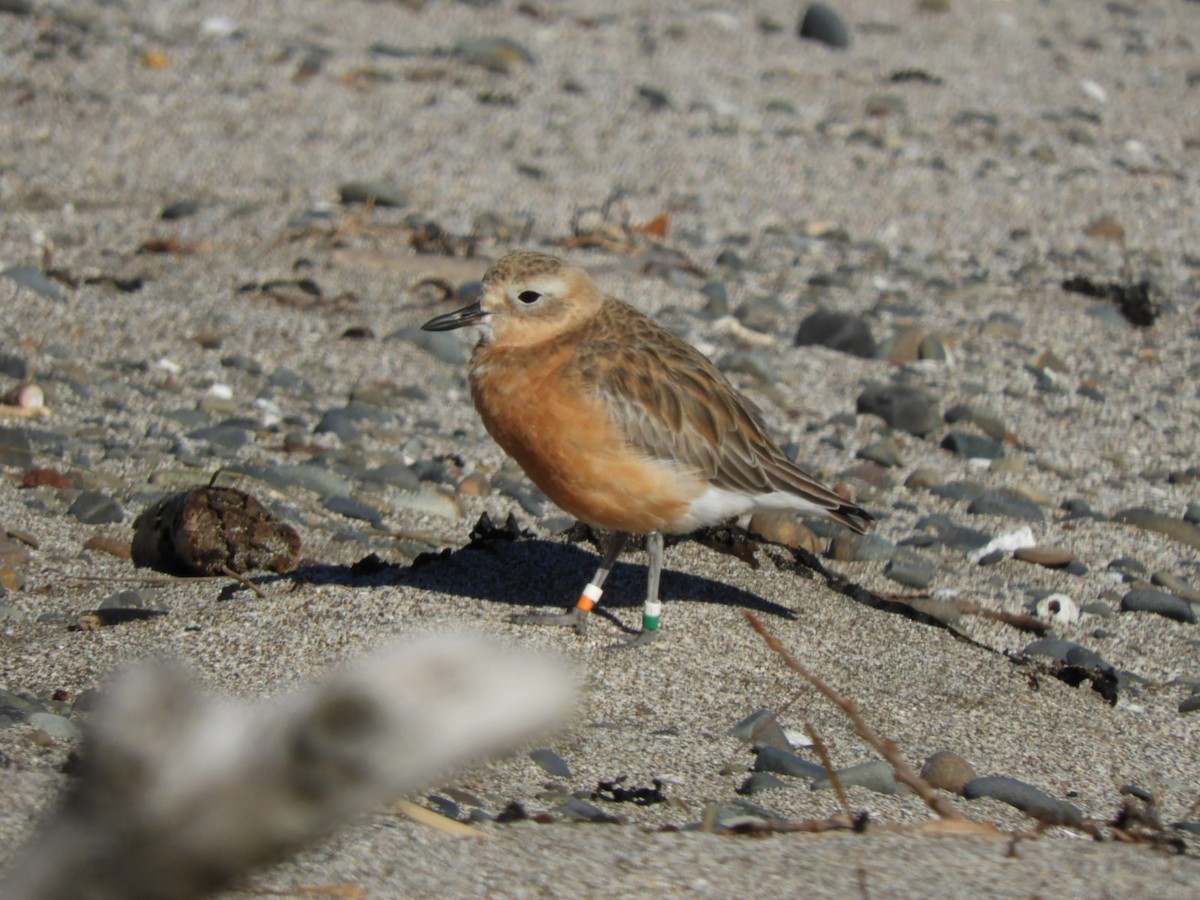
[529,296]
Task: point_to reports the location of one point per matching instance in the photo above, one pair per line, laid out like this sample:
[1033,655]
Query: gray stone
[1054,648]
[876,775]
[1024,797]
[58,727]
[445,345]
[908,568]
[761,729]
[354,509]
[130,599]
[576,810]
[35,280]
[96,508]
[15,449]
[551,763]
[783,762]
[822,23]
[902,407]
[1007,504]
[837,331]
[1160,602]
[759,782]
[969,445]
[225,436]
[1148,520]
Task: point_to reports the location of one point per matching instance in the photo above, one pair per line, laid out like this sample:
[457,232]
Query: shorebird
[621,423]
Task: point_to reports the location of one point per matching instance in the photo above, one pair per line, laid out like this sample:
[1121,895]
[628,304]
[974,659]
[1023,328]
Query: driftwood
[182,792]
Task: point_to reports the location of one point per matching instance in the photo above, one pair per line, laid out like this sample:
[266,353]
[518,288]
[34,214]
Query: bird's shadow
[535,572]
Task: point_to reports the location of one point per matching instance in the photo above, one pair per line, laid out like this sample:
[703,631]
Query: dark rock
[181,209]
[1160,602]
[969,445]
[911,570]
[96,508]
[1005,503]
[783,762]
[838,331]
[759,782]
[900,406]
[1024,797]
[821,23]
[15,449]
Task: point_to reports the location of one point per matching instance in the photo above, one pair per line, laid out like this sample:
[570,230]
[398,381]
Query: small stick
[246,582]
[886,748]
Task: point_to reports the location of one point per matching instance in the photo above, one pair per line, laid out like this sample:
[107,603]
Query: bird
[620,422]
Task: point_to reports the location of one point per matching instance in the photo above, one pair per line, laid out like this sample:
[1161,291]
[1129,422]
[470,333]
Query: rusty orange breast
[559,432]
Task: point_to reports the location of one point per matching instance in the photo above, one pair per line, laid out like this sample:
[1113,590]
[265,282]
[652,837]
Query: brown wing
[674,404]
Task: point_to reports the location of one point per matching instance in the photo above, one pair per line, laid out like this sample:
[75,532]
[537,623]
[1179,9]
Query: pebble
[1005,503]
[985,420]
[35,280]
[444,345]
[910,569]
[1148,520]
[884,452]
[355,509]
[131,599]
[1049,557]
[821,23]
[1160,602]
[759,782]
[901,407]
[837,331]
[876,775]
[762,729]
[60,728]
[15,707]
[550,763]
[1055,648]
[180,209]
[573,809]
[784,762]
[1176,586]
[96,508]
[1025,797]
[847,546]
[969,445]
[499,55]
[379,192]
[947,771]
[15,449]
[784,528]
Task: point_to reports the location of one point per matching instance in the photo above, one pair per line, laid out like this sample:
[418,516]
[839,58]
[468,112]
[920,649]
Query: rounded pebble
[948,771]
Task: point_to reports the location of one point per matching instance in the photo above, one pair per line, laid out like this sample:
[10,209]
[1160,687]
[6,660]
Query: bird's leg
[577,617]
[652,612]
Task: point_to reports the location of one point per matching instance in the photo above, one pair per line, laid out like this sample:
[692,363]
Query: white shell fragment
[1013,540]
[1058,609]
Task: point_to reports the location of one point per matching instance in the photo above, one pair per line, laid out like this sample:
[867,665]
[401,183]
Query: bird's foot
[574,618]
[641,639]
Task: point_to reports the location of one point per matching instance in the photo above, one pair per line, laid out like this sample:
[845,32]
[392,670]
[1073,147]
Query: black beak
[460,318]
